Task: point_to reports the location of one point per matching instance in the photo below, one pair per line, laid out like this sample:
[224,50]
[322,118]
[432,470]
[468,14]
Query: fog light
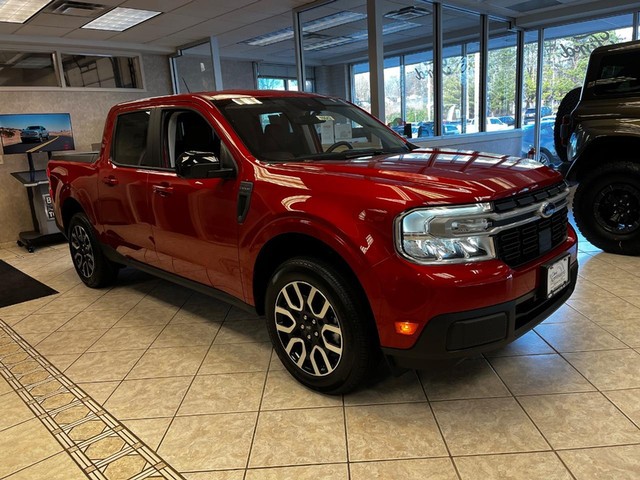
[406,328]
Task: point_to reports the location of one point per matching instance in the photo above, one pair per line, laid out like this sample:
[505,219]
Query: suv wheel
[93,268]
[567,105]
[319,327]
[607,208]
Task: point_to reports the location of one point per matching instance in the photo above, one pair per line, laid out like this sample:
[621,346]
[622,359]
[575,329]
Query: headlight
[446,234]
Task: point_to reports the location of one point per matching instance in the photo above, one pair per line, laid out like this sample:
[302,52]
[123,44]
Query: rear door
[123,206]
[195,221]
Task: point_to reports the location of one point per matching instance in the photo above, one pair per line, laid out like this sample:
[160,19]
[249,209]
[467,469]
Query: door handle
[110,180]
[164,190]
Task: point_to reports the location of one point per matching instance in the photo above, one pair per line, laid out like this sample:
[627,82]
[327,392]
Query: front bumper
[471,332]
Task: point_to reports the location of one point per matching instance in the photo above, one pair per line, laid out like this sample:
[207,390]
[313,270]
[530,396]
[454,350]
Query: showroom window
[193,69]
[501,77]
[27,69]
[99,71]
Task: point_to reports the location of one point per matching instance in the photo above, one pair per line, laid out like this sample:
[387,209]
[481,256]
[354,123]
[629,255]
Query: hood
[444,176]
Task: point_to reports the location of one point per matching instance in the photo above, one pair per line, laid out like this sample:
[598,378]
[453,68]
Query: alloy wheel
[617,208]
[308,328]
[82,251]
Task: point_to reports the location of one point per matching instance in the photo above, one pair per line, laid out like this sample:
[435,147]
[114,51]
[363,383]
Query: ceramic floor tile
[69,342]
[603,308]
[4,386]
[224,393]
[313,472]
[209,442]
[216,475]
[25,444]
[628,401]
[99,391]
[14,411]
[579,420]
[103,366]
[485,426]
[567,337]
[185,335]
[117,300]
[133,338]
[200,309]
[528,344]
[236,314]
[283,392]
[140,316]
[303,437]
[616,463]
[94,319]
[538,374]
[388,389]
[62,362]
[236,358]
[608,370]
[11,320]
[26,308]
[58,467]
[169,362]
[395,431]
[42,322]
[431,468]
[566,314]
[149,430]
[67,304]
[242,331]
[469,378]
[513,466]
[148,398]
[627,331]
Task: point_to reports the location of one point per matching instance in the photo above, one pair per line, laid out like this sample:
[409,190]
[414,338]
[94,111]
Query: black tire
[93,268]
[567,105]
[545,158]
[335,325]
[606,207]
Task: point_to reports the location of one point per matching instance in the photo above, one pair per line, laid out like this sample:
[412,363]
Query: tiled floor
[196,381]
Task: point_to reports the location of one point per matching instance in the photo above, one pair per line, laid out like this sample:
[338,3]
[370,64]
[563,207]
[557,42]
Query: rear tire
[567,105]
[606,207]
[319,327]
[93,268]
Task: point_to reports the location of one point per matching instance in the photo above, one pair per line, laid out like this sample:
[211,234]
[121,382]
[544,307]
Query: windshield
[307,128]
[33,128]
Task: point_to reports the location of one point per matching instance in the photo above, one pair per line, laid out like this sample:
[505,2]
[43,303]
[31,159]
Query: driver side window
[187,131]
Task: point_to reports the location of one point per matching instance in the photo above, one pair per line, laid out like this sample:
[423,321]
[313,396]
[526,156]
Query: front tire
[319,326]
[93,268]
[606,207]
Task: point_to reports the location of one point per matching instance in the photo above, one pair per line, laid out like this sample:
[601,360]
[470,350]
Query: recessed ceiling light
[119,19]
[19,11]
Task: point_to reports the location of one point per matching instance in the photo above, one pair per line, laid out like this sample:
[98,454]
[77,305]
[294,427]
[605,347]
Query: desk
[46,230]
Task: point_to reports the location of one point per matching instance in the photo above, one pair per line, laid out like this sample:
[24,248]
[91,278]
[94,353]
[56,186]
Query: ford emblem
[547,209]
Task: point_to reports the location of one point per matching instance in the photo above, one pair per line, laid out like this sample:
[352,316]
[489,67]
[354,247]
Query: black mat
[17,287]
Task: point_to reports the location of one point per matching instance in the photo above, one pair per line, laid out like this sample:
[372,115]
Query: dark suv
[597,134]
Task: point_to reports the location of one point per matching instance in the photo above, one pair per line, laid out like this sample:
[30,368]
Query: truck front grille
[519,245]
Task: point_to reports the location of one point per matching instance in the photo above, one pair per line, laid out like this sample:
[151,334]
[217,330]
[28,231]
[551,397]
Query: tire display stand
[45,229]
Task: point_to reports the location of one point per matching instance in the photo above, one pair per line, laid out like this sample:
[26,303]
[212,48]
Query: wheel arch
[290,245]
[69,208]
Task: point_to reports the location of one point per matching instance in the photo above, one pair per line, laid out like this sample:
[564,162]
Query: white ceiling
[234,21]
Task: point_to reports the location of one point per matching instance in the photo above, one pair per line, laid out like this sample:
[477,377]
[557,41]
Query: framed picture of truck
[36,132]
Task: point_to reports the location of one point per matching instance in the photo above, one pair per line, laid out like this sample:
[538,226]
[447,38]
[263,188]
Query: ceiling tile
[140,34]
[155,5]
[208,9]
[173,22]
[53,20]
[89,34]
[43,31]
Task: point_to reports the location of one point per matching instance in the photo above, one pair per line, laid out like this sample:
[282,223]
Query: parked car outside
[508,120]
[547,153]
[34,133]
[530,114]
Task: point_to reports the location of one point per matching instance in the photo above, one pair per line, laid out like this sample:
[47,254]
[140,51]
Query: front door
[194,219]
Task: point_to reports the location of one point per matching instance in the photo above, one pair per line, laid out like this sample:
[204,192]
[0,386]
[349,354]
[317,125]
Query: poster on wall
[36,132]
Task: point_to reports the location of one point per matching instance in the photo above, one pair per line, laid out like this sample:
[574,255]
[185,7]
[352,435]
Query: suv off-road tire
[319,326]
[93,268]
[567,105]
[606,207]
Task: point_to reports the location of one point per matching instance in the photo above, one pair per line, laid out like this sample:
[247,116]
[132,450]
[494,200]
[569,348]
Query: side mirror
[202,165]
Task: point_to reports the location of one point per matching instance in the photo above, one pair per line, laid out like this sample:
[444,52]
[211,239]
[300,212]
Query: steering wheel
[341,143]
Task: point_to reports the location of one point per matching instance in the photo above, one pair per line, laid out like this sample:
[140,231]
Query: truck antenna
[185,85]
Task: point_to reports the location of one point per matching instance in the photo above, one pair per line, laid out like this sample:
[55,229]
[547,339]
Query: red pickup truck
[350,240]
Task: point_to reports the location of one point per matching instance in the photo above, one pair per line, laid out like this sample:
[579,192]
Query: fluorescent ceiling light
[119,19]
[19,11]
[330,21]
[407,13]
[357,36]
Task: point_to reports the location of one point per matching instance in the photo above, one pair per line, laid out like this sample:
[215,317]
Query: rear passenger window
[618,75]
[130,143]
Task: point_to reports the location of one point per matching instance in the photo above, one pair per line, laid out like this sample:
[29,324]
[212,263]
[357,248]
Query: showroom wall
[88,110]
[237,74]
